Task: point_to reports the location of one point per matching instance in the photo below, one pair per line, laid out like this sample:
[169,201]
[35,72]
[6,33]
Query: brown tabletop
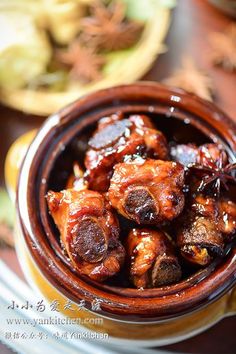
[192,21]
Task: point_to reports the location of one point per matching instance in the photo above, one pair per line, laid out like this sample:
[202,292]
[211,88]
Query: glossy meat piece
[89,232]
[227,218]
[212,155]
[152,259]
[205,206]
[208,167]
[148,192]
[208,155]
[198,236]
[184,154]
[117,140]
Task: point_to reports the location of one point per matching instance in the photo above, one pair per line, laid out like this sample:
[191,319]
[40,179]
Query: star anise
[224,48]
[108,29]
[214,173]
[191,79]
[85,64]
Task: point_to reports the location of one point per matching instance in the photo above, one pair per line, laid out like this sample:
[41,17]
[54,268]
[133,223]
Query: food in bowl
[133,305]
[170,200]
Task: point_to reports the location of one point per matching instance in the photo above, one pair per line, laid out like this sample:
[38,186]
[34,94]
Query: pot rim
[168,302]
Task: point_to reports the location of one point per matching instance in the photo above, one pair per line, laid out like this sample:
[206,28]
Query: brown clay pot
[48,164]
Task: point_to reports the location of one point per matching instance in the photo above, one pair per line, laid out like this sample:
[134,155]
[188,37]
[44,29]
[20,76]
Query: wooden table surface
[191,23]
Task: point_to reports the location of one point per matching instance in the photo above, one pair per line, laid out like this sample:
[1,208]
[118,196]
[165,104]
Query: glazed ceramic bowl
[151,316]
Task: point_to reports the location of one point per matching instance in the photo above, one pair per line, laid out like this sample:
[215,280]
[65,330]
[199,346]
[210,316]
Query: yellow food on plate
[24,49]
[13,161]
[47,84]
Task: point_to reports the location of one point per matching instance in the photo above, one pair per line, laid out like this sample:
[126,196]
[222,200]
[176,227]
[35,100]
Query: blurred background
[54,51]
